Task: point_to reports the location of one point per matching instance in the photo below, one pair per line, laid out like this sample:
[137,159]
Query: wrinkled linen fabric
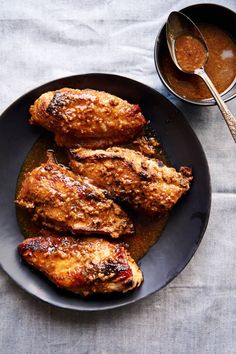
[196,313]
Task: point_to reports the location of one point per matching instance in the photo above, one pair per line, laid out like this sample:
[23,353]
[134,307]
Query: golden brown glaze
[147,228]
[87,117]
[66,202]
[147,184]
[146,145]
[85,266]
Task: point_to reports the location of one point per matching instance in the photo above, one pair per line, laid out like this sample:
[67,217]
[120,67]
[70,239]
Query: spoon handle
[228,116]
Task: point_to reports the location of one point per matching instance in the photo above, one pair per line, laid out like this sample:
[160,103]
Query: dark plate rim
[193,250]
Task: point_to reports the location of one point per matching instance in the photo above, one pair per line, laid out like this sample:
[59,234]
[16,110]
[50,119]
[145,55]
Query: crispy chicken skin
[84,266]
[146,184]
[93,119]
[66,202]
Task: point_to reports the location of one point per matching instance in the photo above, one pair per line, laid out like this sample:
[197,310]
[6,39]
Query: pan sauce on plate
[147,229]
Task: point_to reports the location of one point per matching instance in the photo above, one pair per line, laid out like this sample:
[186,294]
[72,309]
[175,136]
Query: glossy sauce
[220,66]
[190,53]
[147,229]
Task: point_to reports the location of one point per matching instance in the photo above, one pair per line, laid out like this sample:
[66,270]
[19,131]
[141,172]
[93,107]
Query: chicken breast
[66,202]
[87,117]
[85,266]
[145,183]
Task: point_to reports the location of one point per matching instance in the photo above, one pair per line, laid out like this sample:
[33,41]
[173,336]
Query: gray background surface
[44,40]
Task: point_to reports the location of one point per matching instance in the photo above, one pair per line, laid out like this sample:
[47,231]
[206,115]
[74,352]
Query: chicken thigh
[87,117]
[84,266]
[145,183]
[66,202]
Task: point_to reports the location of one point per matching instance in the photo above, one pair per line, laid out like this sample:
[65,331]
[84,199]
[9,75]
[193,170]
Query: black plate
[188,219]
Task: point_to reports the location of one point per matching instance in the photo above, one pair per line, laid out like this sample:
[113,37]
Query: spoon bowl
[179,25]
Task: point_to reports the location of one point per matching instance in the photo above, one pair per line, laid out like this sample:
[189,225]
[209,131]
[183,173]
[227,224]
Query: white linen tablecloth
[196,313]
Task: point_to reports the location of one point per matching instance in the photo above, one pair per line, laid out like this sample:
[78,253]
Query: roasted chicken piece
[66,202]
[145,183]
[89,118]
[147,146]
[84,266]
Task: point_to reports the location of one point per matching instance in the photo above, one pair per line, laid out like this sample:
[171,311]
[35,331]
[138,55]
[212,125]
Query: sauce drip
[190,53]
[147,229]
[220,66]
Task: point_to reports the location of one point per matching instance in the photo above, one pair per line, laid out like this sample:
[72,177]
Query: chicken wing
[87,117]
[85,266]
[145,183]
[66,202]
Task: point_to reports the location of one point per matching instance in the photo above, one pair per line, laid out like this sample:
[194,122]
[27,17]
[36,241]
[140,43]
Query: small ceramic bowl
[218,15]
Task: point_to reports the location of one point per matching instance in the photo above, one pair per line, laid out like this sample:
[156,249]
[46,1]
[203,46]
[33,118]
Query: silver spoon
[179,25]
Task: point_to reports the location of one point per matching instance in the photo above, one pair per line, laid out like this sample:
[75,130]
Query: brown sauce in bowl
[147,229]
[220,67]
